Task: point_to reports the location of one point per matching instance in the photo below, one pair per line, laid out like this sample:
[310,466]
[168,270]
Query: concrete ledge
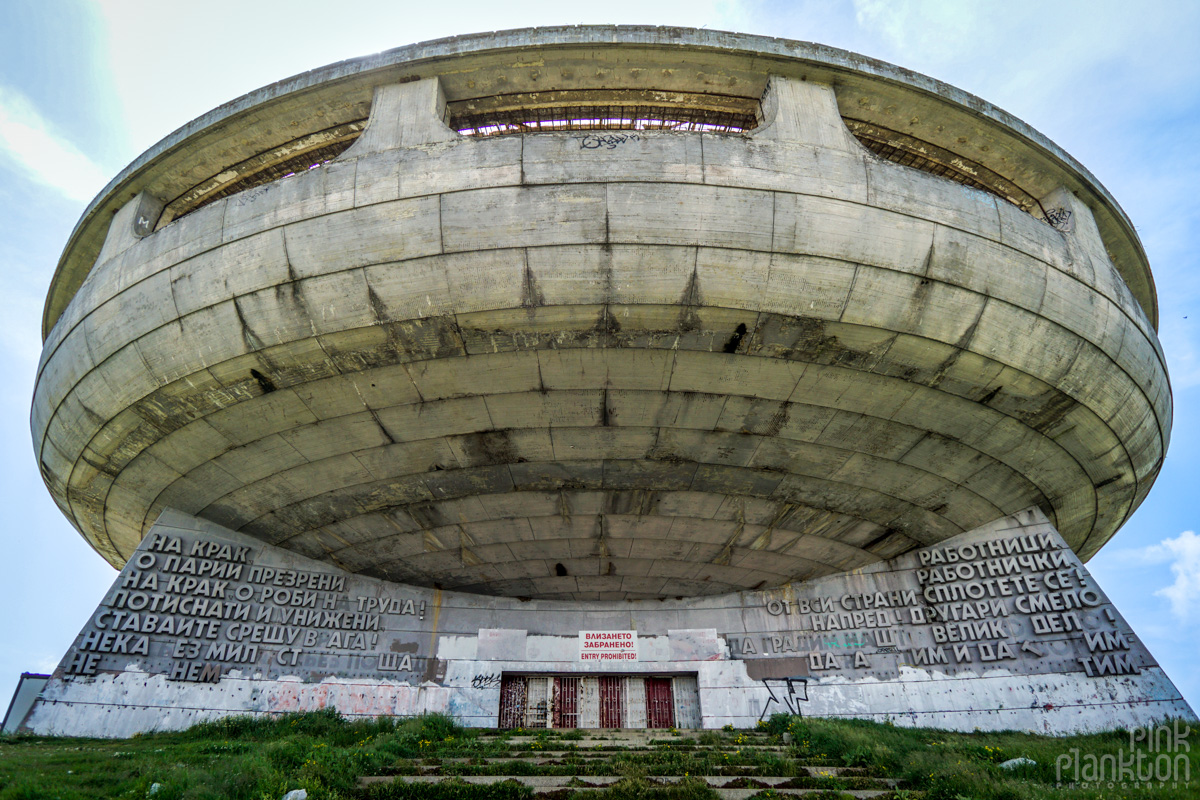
[341,93]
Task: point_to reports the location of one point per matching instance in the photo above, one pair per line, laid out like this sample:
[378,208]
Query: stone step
[554,782]
[598,752]
[662,737]
[613,733]
[610,734]
[600,744]
[573,756]
[727,772]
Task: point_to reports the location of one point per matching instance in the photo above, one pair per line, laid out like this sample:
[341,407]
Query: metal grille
[908,151]
[566,702]
[660,705]
[296,164]
[612,702]
[289,158]
[513,699]
[606,701]
[603,117]
[539,702]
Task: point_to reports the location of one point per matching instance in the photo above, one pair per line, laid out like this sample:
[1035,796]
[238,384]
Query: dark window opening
[603,109]
[290,158]
[908,151]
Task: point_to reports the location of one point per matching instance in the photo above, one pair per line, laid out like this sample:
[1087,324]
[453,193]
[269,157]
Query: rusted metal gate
[660,704]
[608,701]
[565,702]
[514,693]
[612,702]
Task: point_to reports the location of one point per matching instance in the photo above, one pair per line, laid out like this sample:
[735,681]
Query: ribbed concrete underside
[684,364]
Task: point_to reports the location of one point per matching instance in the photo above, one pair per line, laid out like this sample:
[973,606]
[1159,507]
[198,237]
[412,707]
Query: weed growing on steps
[448,790]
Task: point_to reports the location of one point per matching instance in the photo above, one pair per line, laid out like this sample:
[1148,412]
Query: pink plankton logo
[1157,757]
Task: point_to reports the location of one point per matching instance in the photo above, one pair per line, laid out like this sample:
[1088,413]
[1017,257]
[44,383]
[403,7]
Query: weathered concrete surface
[605,365]
[998,628]
[507,69]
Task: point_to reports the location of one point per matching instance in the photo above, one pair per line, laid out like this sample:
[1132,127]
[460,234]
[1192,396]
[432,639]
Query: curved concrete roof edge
[823,55]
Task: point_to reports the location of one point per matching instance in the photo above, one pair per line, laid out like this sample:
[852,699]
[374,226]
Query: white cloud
[45,663]
[1181,343]
[1183,554]
[30,145]
[937,29]
[1057,65]
[155,101]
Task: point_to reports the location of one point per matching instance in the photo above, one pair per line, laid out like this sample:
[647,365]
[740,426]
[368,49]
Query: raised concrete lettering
[286,619]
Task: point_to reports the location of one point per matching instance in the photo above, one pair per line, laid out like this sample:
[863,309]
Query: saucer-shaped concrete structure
[602,313]
[604,377]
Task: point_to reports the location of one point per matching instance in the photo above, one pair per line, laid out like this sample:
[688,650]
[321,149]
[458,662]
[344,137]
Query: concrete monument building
[604,376]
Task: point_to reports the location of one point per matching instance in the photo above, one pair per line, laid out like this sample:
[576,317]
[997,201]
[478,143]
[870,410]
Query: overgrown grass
[950,766]
[231,759]
[447,790]
[263,758]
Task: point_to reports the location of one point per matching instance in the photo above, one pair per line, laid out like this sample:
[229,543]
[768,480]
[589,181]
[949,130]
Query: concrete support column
[404,115]
[1073,218]
[1070,215]
[805,112]
[134,221]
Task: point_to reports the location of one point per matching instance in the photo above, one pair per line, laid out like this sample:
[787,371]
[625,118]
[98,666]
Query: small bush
[439,726]
[778,724]
[860,756]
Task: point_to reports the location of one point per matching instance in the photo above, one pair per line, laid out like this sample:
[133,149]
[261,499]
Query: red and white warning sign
[608,646]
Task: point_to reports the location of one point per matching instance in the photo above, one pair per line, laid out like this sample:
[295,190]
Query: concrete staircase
[737,764]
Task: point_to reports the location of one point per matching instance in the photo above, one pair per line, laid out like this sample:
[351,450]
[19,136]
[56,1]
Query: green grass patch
[641,788]
[447,790]
[230,759]
[263,758]
[943,765]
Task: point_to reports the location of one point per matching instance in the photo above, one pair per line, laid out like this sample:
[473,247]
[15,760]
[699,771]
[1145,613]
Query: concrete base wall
[999,628]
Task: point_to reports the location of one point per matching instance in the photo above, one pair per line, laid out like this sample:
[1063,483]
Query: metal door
[660,705]
[589,702]
[687,702]
[514,693]
[566,702]
[612,702]
[635,701]
[539,700]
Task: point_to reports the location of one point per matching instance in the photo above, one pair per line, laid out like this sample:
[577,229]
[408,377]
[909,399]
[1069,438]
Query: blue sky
[85,87]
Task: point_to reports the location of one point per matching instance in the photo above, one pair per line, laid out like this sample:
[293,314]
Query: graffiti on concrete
[608,141]
[485,681]
[1060,219]
[787,693]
